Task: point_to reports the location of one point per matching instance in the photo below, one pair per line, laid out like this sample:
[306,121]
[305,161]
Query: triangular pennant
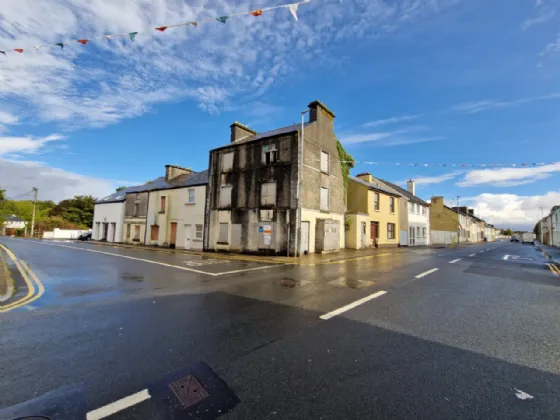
[193,23]
[2,52]
[37,47]
[60,44]
[293,10]
[161,28]
[19,50]
[132,35]
[222,19]
[257,12]
[82,41]
[108,36]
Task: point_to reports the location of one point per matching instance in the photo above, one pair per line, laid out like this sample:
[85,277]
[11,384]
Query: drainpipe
[147,213]
[300,185]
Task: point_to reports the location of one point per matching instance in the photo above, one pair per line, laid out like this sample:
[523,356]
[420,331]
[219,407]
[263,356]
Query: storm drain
[188,391]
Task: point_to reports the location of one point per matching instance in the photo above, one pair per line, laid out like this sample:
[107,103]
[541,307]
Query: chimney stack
[173,171]
[411,187]
[365,176]
[318,112]
[240,131]
[471,212]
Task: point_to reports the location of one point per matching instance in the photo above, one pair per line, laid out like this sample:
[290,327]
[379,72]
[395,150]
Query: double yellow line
[33,293]
[554,269]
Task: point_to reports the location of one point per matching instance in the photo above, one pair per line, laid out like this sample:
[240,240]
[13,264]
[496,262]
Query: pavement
[551,252]
[467,332]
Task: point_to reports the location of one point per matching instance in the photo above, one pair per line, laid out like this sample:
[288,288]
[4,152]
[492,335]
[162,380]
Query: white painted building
[11,224]
[108,217]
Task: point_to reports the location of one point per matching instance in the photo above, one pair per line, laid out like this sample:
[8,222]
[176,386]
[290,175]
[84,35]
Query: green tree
[77,210]
[347,163]
[507,232]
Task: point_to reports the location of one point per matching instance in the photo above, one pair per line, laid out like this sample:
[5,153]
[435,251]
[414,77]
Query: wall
[384,216]
[311,216]
[109,213]
[403,221]
[443,237]
[63,234]
[354,233]
[442,218]
[357,199]
[555,228]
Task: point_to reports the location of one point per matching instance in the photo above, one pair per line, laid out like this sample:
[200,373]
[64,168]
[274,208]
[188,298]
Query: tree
[507,232]
[120,189]
[77,210]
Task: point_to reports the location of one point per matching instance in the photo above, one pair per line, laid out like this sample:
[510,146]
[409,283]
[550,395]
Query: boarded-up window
[154,234]
[136,210]
[225,196]
[268,194]
[390,231]
[162,205]
[227,162]
[191,195]
[270,154]
[324,162]
[128,231]
[324,205]
[376,201]
[223,233]
[198,233]
[136,232]
[392,204]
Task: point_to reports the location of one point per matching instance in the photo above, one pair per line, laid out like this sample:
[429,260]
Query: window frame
[328,204]
[326,170]
[189,201]
[222,189]
[269,154]
[265,187]
[162,204]
[376,201]
[154,229]
[392,231]
[223,161]
[220,239]
[391,204]
[196,232]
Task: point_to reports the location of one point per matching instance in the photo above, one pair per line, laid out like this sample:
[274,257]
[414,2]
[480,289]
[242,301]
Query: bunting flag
[293,8]
[456,165]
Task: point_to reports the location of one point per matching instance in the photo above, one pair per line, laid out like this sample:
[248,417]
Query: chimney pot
[240,131]
[411,186]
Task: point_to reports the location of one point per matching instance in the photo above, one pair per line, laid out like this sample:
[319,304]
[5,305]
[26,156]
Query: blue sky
[410,81]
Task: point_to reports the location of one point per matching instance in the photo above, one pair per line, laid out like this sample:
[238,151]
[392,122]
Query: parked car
[514,239]
[86,236]
[528,238]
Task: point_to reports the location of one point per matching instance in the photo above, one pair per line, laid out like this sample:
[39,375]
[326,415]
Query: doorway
[173,235]
[304,246]
[113,231]
[187,236]
[363,235]
[374,234]
[411,237]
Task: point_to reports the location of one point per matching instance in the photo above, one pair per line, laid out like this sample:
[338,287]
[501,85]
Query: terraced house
[373,214]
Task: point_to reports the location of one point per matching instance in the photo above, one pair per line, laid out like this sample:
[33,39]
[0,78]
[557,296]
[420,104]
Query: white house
[108,217]
[415,216]
[175,215]
[12,223]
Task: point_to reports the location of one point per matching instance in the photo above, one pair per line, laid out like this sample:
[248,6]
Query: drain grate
[188,391]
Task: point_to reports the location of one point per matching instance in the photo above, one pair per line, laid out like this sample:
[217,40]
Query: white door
[188,235]
[304,246]
[412,236]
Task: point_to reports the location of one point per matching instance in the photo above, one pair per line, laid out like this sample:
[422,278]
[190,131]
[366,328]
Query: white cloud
[552,47]
[545,14]
[427,180]
[377,136]
[392,120]
[508,177]
[214,64]
[490,104]
[8,118]
[19,177]
[510,210]
[10,145]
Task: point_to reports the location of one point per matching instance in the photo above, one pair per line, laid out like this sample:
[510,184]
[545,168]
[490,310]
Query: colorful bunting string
[456,165]
[292,7]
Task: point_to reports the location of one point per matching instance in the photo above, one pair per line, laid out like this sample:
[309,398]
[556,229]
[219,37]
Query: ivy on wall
[347,163]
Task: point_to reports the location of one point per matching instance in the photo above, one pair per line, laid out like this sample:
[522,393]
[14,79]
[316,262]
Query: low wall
[64,234]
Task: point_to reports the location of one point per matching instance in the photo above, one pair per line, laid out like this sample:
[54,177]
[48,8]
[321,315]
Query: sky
[410,81]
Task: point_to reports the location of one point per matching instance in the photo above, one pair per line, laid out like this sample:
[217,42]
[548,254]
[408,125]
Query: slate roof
[185,180]
[405,193]
[14,218]
[267,134]
[375,187]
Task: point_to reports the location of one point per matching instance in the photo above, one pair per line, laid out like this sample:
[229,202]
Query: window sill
[199,240]
[222,243]
[190,204]
[161,212]
[324,211]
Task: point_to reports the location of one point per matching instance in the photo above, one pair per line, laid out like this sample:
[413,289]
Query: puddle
[291,283]
[351,283]
[133,277]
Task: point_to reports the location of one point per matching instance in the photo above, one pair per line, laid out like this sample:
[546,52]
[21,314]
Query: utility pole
[35,192]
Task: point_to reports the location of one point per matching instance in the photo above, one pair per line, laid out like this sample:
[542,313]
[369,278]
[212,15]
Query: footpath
[550,252]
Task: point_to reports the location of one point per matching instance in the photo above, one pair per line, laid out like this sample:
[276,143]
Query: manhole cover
[188,391]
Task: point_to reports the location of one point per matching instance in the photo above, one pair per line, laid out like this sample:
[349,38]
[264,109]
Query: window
[227,162]
[270,154]
[390,231]
[324,162]
[424,232]
[154,233]
[128,231]
[162,205]
[411,207]
[376,201]
[137,232]
[191,195]
[268,194]
[225,196]
[223,234]
[198,232]
[324,204]
[392,204]
[418,231]
[423,210]
[136,209]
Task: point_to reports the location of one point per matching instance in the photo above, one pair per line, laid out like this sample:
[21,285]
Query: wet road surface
[477,338]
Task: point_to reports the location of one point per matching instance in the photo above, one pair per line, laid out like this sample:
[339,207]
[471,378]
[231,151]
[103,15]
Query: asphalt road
[477,338]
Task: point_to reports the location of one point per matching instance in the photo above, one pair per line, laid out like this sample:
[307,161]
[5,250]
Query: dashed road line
[454,261]
[472,255]
[352,305]
[119,405]
[425,273]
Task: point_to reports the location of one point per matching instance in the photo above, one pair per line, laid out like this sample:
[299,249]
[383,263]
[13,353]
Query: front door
[363,241]
[173,235]
[304,247]
[374,233]
[188,234]
[412,236]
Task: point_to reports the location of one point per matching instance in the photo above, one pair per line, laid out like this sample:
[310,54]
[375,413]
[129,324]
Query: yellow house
[372,219]
[444,223]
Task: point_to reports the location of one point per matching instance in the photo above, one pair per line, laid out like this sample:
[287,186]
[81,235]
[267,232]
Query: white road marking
[505,257]
[247,269]
[454,261]
[522,395]
[472,255]
[352,305]
[481,252]
[119,405]
[433,270]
